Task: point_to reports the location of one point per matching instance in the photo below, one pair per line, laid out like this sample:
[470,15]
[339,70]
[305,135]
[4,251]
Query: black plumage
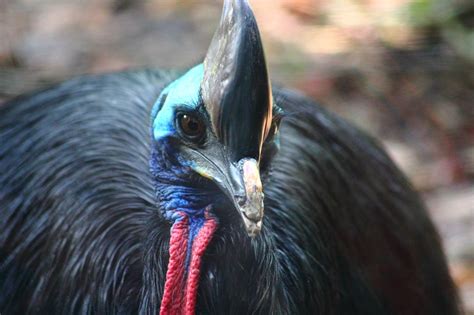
[80,231]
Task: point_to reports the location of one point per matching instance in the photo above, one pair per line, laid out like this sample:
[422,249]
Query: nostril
[254,217]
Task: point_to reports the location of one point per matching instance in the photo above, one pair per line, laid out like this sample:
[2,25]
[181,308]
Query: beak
[241,184]
[251,203]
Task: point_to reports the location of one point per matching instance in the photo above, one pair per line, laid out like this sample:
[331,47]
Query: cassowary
[145,192]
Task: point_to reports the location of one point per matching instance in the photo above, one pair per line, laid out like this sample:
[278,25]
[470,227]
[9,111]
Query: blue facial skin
[182,93]
[172,173]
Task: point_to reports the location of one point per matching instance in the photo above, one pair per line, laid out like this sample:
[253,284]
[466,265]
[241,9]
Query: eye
[191,126]
[274,127]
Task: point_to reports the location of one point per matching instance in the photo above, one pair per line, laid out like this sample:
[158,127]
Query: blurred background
[403,70]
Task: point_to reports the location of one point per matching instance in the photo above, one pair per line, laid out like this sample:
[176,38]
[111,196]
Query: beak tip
[253,228]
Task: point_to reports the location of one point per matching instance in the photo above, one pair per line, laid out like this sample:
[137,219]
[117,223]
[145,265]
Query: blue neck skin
[177,200]
[175,184]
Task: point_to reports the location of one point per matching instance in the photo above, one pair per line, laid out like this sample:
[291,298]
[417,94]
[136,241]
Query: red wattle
[180,292]
[199,246]
[173,295]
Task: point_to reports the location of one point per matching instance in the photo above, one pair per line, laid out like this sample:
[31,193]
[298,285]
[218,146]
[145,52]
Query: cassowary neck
[192,229]
[188,210]
[236,273]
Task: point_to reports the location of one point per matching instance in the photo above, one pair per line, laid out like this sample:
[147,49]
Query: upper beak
[241,183]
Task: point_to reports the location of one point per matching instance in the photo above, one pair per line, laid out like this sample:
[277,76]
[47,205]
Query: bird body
[206,192]
[343,234]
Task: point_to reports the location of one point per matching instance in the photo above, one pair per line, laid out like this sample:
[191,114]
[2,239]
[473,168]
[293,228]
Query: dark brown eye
[191,126]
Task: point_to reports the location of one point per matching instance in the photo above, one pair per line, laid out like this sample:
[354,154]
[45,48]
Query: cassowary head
[213,129]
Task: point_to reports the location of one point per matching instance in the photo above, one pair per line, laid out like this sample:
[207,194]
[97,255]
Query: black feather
[80,232]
